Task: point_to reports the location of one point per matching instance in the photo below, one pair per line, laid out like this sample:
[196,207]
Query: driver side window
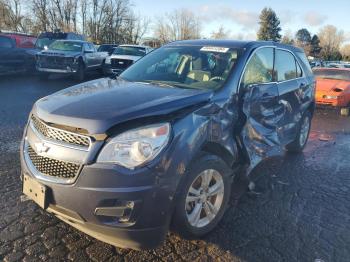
[259,69]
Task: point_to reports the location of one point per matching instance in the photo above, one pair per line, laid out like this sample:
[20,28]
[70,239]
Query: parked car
[122,159]
[123,56]
[333,88]
[14,53]
[69,57]
[109,48]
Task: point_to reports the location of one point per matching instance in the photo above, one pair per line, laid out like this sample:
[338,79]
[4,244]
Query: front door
[259,135]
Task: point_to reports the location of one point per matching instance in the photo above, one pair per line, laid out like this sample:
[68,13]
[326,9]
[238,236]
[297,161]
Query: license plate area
[34,190]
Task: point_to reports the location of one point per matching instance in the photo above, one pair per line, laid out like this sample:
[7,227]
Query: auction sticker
[217,49]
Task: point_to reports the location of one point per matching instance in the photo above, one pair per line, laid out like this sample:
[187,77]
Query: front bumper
[67,70]
[109,70]
[98,204]
[335,101]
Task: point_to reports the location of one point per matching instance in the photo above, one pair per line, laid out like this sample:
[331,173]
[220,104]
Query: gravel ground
[300,210]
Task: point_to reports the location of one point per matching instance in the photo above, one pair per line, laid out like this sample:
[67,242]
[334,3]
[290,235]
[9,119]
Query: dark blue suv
[168,141]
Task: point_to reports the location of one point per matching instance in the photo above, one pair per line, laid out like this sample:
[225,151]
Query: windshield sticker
[214,49]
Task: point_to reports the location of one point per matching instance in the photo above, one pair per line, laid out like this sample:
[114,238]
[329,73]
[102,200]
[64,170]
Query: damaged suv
[166,142]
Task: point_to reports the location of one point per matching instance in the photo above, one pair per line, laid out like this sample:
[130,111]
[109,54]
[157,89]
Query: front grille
[58,134]
[120,63]
[52,167]
[54,61]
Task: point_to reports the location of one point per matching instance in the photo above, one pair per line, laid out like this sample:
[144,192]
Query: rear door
[290,87]
[259,137]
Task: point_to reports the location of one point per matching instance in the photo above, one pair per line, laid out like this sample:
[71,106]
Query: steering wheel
[217,78]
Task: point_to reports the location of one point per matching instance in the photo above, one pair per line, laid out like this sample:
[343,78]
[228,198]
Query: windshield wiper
[158,83]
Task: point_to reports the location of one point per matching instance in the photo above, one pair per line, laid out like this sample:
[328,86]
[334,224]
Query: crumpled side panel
[259,134]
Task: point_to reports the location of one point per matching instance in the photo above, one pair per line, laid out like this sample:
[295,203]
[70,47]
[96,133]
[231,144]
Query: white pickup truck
[124,56]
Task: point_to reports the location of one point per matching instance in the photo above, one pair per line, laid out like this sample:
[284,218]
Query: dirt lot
[300,211]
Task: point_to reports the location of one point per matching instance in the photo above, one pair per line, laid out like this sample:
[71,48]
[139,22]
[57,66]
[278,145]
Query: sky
[241,17]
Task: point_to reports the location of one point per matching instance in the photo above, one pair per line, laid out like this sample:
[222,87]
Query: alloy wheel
[204,198]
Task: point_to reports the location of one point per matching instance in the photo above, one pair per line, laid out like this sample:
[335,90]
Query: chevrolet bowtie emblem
[41,148]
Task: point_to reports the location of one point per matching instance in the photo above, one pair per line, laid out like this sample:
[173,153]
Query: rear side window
[305,62]
[259,69]
[285,66]
[5,42]
[299,71]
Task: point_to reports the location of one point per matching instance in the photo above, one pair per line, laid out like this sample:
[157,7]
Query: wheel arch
[220,151]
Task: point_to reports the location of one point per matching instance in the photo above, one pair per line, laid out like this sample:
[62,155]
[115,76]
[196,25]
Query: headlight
[136,147]
[108,60]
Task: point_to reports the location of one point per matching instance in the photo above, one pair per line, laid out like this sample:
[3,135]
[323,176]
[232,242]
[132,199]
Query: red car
[16,53]
[333,88]
[21,40]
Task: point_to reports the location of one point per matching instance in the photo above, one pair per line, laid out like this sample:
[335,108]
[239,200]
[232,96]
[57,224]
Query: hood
[100,104]
[59,53]
[332,86]
[127,57]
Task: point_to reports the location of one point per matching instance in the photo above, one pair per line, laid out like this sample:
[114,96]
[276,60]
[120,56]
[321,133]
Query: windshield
[66,46]
[42,42]
[198,67]
[129,50]
[333,74]
[106,48]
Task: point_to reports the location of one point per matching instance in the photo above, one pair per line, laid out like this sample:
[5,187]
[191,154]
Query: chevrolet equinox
[164,144]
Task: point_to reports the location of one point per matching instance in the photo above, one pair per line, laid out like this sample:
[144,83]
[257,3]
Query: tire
[80,74]
[184,221]
[302,136]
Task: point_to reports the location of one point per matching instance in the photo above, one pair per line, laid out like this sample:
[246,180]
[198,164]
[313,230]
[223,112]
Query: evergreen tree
[269,26]
[315,46]
[303,40]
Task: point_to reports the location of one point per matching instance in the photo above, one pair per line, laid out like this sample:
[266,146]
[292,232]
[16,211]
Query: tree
[315,46]
[287,38]
[269,26]
[181,24]
[345,52]
[221,33]
[12,16]
[330,41]
[303,40]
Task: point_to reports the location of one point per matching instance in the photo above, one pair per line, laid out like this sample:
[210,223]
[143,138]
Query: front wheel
[80,74]
[203,197]
[302,135]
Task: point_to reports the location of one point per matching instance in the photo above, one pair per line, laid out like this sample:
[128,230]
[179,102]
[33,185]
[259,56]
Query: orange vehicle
[333,88]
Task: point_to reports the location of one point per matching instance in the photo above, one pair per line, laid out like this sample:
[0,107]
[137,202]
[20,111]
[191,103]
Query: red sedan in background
[333,88]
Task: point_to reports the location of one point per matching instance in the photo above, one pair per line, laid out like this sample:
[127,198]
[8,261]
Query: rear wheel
[203,197]
[302,136]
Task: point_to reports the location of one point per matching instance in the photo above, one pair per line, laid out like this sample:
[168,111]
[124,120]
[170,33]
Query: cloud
[314,19]
[286,16]
[244,18]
